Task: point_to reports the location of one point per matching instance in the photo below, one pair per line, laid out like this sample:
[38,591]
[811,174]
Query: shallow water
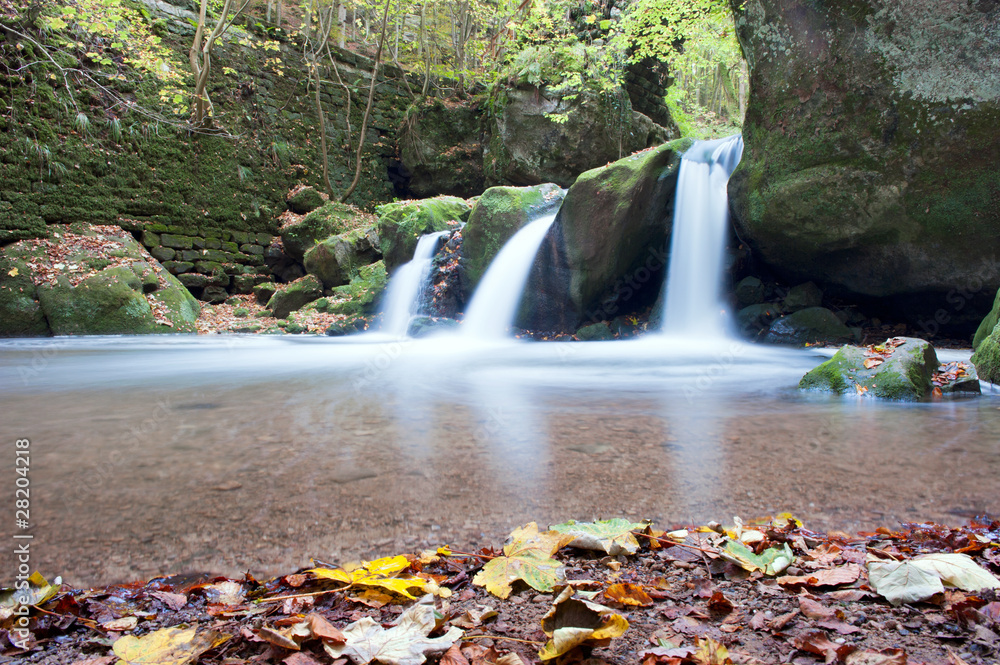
[227,454]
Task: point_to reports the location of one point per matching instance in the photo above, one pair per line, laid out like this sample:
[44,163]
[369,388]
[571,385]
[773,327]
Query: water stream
[402,294]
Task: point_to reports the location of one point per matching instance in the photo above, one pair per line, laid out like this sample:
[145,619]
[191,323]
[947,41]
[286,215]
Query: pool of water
[228,454]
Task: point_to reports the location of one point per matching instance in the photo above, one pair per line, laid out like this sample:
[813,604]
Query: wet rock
[595,332]
[360,296]
[422,326]
[810,325]
[803,296]
[870,140]
[754,318]
[345,328]
[986,359]
[441,147]
[304,201]
[20,313]
[263,292]
[988,324]
[291,297]
[401,224]
[337,259]
[905,373]
[749,291]
[497,215]
[214,295]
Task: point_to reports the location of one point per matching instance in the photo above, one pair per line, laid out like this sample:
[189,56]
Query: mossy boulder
[749,291]
[608,246]
[595,332]
[754,318]
[988,323]
[291,297]
[263,292]
[905,374]
[803,296]
[360,297]
[304,201]
[331,219]
[96,282]
[401,224]
[337,259]
[497,215]
[987,357]
[870,152]
[442,149]
[807,326]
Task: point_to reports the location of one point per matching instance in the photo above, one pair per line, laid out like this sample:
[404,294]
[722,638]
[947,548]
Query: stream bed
[181,454]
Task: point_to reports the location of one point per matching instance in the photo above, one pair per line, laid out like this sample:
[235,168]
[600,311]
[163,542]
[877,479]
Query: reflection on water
[230,454]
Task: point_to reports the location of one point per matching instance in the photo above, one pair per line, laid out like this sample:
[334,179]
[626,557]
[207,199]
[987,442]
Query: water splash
[495,302]
[694,305]
[402,296]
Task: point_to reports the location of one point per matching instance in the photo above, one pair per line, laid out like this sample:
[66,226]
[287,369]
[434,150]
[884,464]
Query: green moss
[401,224]
[987,357]
[829,376]
[988,324]
[362,294]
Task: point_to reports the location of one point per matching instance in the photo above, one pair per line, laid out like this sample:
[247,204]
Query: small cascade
[402,295]
[495,302]
[694,306]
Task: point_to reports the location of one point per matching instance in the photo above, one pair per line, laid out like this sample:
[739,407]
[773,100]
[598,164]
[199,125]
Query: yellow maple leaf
[13,272]
[167,646]
[377,573]
[526,557]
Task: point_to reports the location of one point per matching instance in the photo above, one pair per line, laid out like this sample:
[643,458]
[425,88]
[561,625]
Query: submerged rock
[89,280]
[903,370]
[401,224]
[607,249]
[871,143]
[337,259]
[422,326]
[813,324]
[497,215]
[291,297]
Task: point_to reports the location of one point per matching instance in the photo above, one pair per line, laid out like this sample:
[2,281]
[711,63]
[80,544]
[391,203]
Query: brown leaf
[628,594]
[850,595]
[719,604]
[838,625]
[299,658]
[873,362]
[815,610]
[759,621]
[323,629]
[454,656]
[828,577]
[816,642]
[779,622]
[883,657]
[174,601]
[276,638]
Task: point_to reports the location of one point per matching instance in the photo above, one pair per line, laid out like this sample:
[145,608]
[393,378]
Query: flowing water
[694,304]
[402,294]
[498,294]
[226,454]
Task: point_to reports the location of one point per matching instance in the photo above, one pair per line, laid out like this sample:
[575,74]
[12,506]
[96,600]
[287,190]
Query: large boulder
[401,224]
[300,235]
[358,298]
[338,258]
[304,200]
[89,280]
[292,297]
[988,323]
[900,369]
[871,150]
[808,326]
[987,357]
[441,147]
[606,251]
[497,215]
[540,135]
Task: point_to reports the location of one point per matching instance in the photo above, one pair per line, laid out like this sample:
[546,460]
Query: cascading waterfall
[495,302]
[694,304]
[402,295]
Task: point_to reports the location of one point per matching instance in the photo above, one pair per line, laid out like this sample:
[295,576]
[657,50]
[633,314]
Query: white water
[402,295]
[495,302]
[694,306]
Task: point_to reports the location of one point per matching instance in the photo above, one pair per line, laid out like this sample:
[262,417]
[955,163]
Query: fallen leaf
[174,601]
[527,557]
[38,592]
[812,609]
[884,657]
[225,593]
[902,582]
[612,536]
[121,625]
[379,573]
[957,570]
[710,652]
[573,622]
[827,577]
[12,272]
[816,642]
[873,362]
[406,643]
[628,594]
[299,658]
[167,646]
[323,629]
[771,561]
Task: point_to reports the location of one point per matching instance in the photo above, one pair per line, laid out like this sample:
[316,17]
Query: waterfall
[495,302]
[694,305]
[402,295]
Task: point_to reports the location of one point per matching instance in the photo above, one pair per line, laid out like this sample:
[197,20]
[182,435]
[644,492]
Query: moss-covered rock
[304,201]
[608,242]
[749,291]
[331,219]
[987,357]
[807,326]
[497,215]
[871,143]
[360,297]
[595,332]
[904,375]
[263,292]
[441,147]
[803,296]
[988,323]
[96,281]
[337,259]
[401,224]
[291,297]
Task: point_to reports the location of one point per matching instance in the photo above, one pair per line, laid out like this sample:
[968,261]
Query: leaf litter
[768,592]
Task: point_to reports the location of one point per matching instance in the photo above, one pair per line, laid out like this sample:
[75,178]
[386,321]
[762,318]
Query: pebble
[516,600]
[540,599]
